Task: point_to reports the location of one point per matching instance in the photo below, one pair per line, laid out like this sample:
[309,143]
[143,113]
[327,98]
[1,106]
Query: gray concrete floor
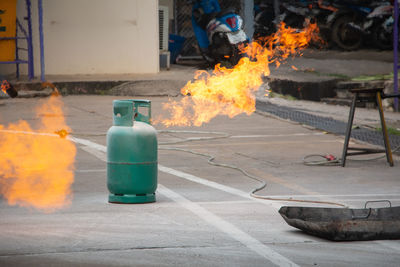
[203,215]
[319,65]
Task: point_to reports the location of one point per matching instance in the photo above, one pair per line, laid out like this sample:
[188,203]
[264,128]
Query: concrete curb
[120,88]
[306,90]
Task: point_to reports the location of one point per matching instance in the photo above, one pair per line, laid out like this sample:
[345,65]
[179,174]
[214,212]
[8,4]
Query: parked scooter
[219,33]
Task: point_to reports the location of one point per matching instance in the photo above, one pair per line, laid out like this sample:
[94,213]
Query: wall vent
[163,27]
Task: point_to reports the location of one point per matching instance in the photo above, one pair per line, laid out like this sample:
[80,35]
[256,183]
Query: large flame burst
[232,91]
[36,165]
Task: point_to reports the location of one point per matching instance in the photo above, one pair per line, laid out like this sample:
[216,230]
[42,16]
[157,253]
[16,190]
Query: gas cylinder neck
[127,111]
[142,110]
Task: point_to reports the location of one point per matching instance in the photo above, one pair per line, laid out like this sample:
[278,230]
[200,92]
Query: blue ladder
[26,35]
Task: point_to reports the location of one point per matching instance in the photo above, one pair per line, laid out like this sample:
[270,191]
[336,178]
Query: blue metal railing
[395,54]
[41,41]
[26,35]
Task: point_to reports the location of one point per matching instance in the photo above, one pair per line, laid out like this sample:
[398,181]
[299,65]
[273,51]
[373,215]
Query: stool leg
[384,130]
[348,129]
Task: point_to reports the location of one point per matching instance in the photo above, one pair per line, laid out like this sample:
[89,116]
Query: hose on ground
[211,161]
[330,160]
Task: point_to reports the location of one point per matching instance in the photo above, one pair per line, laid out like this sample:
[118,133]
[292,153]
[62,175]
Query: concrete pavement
[203,215]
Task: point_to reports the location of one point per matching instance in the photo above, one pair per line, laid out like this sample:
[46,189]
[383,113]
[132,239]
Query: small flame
[5,85]
[36,165]
[267,92]
[232,91]
[293,67]
[62,133]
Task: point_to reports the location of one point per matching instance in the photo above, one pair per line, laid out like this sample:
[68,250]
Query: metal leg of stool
[348,129]
[384,129]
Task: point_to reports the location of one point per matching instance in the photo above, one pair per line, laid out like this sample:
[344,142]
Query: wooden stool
[367,95]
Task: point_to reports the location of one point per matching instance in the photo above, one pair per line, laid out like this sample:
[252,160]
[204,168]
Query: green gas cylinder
[132,153]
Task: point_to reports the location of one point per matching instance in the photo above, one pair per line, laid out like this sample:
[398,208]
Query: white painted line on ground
[95,152]
[227,228]
[90,171]
[99,151]
[225,202]
[88,143]
[91,147]
[345,195]
[274,135]
[95,148]
[206,215]
[260,142]
[215,185]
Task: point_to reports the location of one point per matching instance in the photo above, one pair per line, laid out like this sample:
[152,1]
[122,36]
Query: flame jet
[36,165]
[232,91]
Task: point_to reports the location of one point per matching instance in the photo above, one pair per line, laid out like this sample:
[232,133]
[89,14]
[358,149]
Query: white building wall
[96,37]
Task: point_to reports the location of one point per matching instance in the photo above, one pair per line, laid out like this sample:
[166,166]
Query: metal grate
[163,27]
[326,124]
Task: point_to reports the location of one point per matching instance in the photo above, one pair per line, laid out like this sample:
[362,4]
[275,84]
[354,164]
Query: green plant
[290,97]
[391,130]
[376,77]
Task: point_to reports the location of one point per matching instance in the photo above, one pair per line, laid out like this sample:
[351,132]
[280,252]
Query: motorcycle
[356,21]
[296,14]
[382,29]
[219,33]
[347,24]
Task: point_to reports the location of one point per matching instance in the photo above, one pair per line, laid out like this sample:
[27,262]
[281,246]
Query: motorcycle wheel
[230,61]
[224,52]
[381,38]
[236,54]
[346,36]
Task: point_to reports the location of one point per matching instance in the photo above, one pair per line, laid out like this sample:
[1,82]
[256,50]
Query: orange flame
[36,166]
[232,91]
[4,85]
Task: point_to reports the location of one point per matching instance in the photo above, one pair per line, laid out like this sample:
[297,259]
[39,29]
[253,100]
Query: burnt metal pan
[345,224]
